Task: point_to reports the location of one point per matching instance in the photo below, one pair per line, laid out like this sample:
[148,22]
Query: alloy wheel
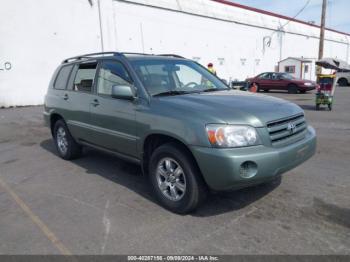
[62,142]
[171,179]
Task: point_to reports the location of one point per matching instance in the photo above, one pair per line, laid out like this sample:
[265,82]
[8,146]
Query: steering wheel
[191,85]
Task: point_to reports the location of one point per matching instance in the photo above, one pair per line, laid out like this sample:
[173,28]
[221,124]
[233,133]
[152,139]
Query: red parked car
[281,81]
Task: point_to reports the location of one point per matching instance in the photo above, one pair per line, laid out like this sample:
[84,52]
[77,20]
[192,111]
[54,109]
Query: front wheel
[292,89]
[175,179]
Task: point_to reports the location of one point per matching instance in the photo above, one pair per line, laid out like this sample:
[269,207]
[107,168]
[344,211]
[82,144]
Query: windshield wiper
[214,89]
[172,93]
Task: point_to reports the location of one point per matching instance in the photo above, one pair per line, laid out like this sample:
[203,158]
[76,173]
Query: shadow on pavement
[130,176]
[309,107]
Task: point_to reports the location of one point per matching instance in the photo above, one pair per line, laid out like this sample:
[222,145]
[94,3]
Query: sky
[337,18]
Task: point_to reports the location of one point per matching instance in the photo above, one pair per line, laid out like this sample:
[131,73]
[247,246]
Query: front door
[113,119]
[264,81]
[277,82]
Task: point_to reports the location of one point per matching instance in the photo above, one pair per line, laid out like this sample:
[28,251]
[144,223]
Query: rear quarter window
[62,77]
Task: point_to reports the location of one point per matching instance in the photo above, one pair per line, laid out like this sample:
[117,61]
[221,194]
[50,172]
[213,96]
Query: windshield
[287,76]
[175,76]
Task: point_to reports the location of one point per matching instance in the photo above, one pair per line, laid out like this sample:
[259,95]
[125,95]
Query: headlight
[231,135]
[307,84]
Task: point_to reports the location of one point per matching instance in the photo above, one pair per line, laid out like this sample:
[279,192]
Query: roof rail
[131,53]
[92,55]
[172,55]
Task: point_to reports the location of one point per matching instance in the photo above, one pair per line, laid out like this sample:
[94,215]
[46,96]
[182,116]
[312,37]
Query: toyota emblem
[291,127]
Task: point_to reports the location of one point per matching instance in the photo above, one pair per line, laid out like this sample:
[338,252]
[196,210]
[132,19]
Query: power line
[267,39]
[298,13]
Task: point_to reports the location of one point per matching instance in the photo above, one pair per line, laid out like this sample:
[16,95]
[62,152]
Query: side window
[111,73]
[265,76]
[275,76]
[84,79]
[62,77]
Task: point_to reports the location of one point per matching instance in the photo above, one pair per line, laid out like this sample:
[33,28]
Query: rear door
[113,119]
[55,100]
[78,98]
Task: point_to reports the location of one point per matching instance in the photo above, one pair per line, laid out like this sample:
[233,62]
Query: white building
[298,67]
[36,35]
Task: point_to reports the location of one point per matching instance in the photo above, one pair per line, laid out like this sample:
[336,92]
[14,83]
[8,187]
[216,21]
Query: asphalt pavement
[99,204]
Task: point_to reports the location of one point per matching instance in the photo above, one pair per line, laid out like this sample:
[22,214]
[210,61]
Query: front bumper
[221,167]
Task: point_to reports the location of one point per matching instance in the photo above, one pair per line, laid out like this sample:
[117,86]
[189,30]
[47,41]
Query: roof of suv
[131,56]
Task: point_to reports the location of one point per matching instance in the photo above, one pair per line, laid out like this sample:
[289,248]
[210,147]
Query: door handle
[95,102]
[65,97]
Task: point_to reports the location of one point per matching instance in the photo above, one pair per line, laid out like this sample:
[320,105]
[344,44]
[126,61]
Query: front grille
[287,130]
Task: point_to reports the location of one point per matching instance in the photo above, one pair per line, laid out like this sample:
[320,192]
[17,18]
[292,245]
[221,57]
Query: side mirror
[123,92]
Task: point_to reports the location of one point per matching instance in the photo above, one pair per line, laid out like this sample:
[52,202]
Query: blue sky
[338,17]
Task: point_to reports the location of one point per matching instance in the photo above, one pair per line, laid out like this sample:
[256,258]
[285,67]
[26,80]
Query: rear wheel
[66,146]
[292,89]
[175,179]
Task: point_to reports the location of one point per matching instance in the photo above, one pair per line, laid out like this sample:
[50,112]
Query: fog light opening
[248,169]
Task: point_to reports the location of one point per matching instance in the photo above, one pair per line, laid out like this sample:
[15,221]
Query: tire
[266,90]
[65,144]
[302,91]
[182,192]
[292,89]
[343,82]
[330,107]
[317,107]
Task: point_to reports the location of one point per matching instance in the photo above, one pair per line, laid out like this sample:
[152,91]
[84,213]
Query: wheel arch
[343,79]
[292,84]
[154,140]
[254,83]
[54,117]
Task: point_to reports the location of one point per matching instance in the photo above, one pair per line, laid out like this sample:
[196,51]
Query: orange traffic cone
[253,88]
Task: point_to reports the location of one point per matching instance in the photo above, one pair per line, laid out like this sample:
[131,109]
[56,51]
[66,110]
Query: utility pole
[100,21]
[323,24]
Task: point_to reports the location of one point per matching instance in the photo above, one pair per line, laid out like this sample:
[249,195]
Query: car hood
[231,107]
